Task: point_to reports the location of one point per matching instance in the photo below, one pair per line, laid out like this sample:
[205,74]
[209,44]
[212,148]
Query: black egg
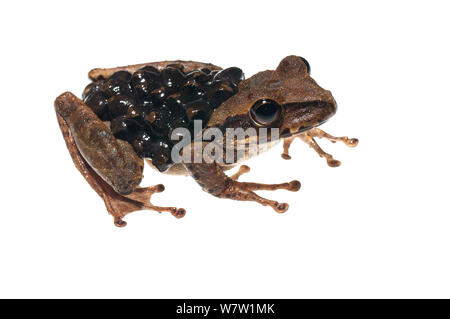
[200,78]
[149,68]
[119,128]
[176,66]
[124,76]
[142,94]
[219,92]
[191,93]
[198,110]
[175,109]
[162,93]
[181,123]
[233,74]
[119,105]
[159,119]
[151,79]
[92,87]
[97,101]
[160,153]
[117,87]
[193,76]
[141,143]
[134,112]
[213,73]
[172,78]
[135,125]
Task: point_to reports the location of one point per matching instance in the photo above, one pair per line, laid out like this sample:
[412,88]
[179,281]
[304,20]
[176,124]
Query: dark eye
[308,67]
[265,112]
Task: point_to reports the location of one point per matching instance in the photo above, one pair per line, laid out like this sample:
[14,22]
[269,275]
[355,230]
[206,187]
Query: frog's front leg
[308,138]
[110,166]
[214,181]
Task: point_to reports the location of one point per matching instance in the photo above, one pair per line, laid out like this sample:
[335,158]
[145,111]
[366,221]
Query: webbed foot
[119,206]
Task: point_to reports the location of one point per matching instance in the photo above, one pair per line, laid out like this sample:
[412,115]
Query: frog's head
[286,98]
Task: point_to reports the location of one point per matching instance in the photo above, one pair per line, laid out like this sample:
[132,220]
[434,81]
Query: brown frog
[129,112]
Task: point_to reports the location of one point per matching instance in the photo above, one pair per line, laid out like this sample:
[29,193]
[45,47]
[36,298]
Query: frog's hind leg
[118,205]
[308,138]
[214,181]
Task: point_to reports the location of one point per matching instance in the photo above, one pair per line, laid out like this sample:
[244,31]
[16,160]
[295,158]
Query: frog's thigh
[112,159]
[117,205]
[213,180]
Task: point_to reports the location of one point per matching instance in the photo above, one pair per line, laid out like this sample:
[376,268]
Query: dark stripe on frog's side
[237,121]
[244,122]
[240,121]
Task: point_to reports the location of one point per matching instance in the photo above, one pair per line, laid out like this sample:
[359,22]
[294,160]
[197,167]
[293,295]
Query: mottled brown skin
[114,171]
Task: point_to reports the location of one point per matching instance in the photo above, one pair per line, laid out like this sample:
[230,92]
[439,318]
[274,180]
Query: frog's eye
[308,67]
[265,112]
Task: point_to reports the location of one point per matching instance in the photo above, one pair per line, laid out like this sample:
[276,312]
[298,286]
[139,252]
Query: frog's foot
[308,138]
[121,205]
[244,191]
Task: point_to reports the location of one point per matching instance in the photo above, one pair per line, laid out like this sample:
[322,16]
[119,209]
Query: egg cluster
[146,106]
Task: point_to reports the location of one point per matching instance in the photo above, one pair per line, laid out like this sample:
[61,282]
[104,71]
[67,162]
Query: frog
[111,156]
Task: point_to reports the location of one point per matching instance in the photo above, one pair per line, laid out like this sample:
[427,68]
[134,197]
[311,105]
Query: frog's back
[145,103]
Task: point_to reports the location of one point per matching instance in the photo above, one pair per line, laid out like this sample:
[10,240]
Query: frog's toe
[119,222]
[333,162]
[281,207]
[294,186]
[352,142]
[179,213]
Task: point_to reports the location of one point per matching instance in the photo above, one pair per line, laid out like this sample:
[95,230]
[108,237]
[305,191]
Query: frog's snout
[302,116]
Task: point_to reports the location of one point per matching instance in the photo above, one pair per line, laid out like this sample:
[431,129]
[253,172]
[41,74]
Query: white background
[378,226]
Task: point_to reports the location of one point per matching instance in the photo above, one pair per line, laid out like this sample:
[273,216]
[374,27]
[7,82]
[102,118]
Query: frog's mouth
[302,116]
